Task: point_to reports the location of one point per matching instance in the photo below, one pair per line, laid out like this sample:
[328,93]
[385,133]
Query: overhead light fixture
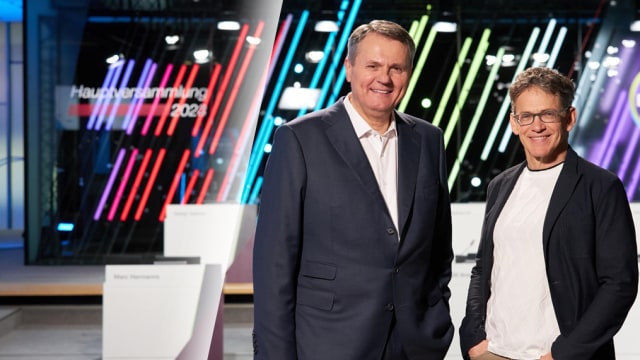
[314,56]
[296,98]
[252,40]
[228,25]
[114,58]
[628,43]
[540,58]
[202,56]
[171,39]
[635,24]
[326,26]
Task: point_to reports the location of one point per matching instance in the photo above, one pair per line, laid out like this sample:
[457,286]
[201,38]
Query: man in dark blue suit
[352,255]
[557,270]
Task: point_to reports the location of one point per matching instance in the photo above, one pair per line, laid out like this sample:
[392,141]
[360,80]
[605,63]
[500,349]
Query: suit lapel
[567,181]
[408,162]
[343,138]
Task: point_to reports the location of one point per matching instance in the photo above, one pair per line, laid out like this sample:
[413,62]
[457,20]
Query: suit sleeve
[616,270]
[277,246]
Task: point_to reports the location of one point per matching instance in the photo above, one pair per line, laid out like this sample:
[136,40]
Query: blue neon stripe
[338,58]
[256,190]
[118,100]
[266,128]
[138,99]
[338,87]
[327,51]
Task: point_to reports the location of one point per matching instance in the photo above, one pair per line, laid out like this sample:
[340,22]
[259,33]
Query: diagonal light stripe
[478,59]
[505,103]
[452,82]
[118,99]
[136,184]
[464,147]
[417,71]
[107,189]
[123,184]
[546,38]
[151,181]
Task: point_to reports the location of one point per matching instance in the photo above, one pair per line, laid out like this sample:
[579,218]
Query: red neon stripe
[205,186]
[183,99]
[212,82]
[243,138]
[147,189]
[123,183]
[174,183]
[223,89]
[172,96]
[136,185]
[144,109]
[163,83]
[190,186]
[234,91]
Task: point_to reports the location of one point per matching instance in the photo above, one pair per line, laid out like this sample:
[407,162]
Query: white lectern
[169,311]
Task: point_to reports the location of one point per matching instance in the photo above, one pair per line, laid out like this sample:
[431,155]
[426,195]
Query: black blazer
[329,272]
[590,254]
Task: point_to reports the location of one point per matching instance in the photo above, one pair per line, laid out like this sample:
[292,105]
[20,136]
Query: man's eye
[525,116]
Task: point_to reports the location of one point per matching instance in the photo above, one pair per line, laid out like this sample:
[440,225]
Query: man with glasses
[556,270]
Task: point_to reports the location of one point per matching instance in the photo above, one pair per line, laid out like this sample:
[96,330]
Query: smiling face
[545,144]
[379,76]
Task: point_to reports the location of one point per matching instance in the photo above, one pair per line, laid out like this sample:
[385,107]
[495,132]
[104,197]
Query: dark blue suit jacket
[590,254]
[329,272]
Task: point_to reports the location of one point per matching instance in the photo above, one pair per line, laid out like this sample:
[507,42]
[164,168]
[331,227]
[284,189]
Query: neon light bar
[478,58]
[256,191]
[205,101]
[328,48]
[424,53]
[190,186]
[223,89]
[154,105]
[629,152]
[279,41]
[123,183]
[482,102]
[150,183]
[635,179]
[118,99]
[556,47]
[65,227]
[106,102]
[107,80]
[136,184]
[337,88]
[174,184]
[338,59]
[267,123]
[183,99]
[622,128]
[546,38]
[505,103]
[452,82]
[244,138]
[205,186]
[138,99]
[107,189]
[139,105]
[599,151]
[233,94]
[169,103]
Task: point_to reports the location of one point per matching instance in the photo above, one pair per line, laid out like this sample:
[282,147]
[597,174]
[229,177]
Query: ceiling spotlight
[172,39]
[447,23]
[326,26]
[202,56]
[628,43]
[635,26]
[114,58]
[540,58]
[314,56]
[252,40]
[228,25]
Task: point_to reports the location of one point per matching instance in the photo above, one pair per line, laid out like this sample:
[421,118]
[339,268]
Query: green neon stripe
[505,104]
[488,86]
[413,28]
[452,81]
[418,69]
[477,61]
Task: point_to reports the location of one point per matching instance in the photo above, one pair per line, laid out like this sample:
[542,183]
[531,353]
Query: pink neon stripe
[163,83]
[212,82]
[279,42]
[205,186]
[223,89]
[174,183]
[190,186]
[136,185]
[152,180]
[136,112]
[234,91]
[107,189]
[183,99]
[243,139]
[167,107]
[123,183]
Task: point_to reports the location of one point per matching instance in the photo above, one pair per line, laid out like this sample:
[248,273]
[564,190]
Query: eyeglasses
[546,116]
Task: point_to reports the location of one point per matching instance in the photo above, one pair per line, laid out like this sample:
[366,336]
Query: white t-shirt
[521,323]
